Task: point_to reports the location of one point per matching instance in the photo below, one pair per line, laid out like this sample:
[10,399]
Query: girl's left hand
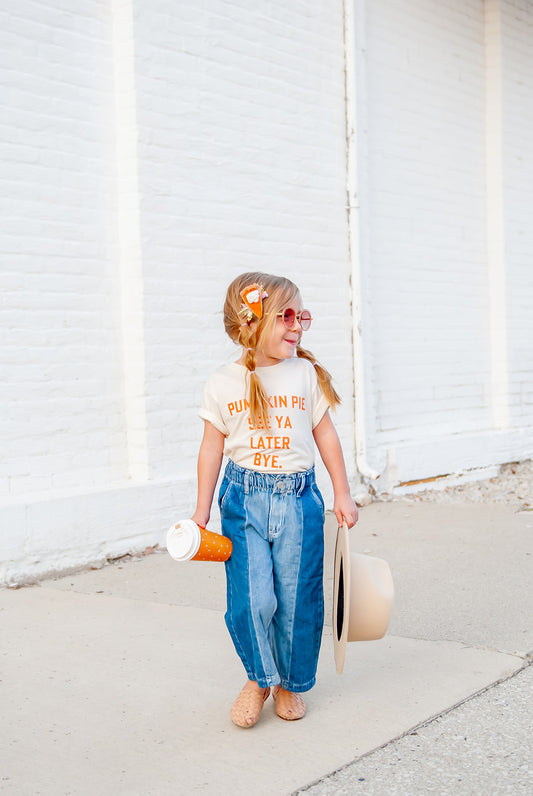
[345,510]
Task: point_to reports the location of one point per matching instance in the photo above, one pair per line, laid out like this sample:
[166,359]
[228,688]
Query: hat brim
[341,596]
[363,594]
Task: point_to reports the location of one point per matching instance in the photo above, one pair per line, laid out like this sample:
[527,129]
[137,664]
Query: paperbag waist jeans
[274,576]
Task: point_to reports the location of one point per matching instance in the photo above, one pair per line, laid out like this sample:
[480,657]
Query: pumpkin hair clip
[252,296]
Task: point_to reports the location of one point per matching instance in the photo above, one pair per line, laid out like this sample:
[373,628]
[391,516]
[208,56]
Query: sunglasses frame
[296,316]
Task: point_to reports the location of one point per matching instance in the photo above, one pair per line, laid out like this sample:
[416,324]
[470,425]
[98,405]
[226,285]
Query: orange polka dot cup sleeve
[213,547]
[186,541]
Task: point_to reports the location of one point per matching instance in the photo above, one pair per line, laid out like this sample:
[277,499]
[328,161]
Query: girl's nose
[296,325]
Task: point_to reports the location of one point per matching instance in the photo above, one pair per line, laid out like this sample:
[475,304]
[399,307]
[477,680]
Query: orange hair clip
[252,296]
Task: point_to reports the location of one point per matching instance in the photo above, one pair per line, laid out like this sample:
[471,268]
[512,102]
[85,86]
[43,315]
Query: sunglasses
[289,316]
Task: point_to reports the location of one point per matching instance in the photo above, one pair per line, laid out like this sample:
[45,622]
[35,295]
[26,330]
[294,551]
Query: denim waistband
[284,483]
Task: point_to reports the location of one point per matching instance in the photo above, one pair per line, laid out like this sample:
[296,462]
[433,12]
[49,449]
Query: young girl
[265,412]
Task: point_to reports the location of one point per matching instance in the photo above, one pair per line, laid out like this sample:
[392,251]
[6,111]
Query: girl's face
[280,342]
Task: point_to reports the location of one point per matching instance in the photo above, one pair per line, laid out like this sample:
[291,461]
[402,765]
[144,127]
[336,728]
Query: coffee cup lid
[183,540]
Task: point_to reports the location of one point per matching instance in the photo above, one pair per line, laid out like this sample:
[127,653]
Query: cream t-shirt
[297,406]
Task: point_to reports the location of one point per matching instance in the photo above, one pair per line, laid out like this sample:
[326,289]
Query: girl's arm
[209,461]
[329,446]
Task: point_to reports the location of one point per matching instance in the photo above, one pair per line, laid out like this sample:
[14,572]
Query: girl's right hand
[200,518]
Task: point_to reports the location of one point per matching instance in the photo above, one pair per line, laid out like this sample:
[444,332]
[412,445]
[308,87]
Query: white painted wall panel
[426,273]
[517,79]
[426,310]
[60,352]
[242,167]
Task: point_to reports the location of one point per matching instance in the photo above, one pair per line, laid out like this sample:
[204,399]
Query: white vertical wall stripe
[355,156]
[129,239]
[496,261]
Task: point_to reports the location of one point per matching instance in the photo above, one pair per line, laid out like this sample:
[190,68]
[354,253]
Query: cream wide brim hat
[363,594]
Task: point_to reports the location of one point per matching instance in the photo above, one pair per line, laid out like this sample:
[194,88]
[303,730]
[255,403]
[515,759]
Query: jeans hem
[297,688]
[265,682]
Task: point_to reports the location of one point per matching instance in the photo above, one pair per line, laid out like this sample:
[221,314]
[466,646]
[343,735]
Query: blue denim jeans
[275,600]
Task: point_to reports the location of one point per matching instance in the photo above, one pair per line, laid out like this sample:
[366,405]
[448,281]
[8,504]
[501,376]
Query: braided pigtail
[324,377]
[258,398]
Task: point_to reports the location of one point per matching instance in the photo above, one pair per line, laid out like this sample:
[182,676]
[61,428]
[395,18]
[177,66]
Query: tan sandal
[289,706]
[249,704]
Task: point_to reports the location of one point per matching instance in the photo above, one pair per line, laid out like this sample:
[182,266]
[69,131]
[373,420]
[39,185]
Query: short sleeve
[320,402]
[210,409]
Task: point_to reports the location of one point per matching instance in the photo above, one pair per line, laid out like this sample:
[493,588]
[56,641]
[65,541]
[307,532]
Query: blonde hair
[250,334]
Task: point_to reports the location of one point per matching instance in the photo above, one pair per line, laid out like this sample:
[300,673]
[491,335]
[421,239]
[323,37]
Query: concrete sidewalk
[119,681]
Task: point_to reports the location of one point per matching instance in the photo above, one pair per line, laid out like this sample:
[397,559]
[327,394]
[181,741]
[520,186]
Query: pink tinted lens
[289,316]
[305,320]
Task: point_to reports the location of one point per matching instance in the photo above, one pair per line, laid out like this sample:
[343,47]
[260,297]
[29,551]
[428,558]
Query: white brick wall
[60,364]
[228,123]
[425,281]
[152,151]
